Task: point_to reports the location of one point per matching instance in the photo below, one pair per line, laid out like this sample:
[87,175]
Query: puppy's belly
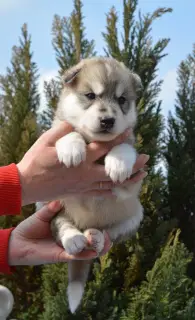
[99,213]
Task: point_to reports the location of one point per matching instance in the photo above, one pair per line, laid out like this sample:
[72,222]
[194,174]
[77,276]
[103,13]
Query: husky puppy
[98,99]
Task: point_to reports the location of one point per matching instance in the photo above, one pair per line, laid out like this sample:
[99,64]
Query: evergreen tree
[180,154]
[20,100]
[167,292]
[18,131]
[69,39]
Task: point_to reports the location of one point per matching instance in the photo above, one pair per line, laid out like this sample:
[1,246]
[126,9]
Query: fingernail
[55,206]
[104,233]
[146,157]
[127,132]
[144,174]
[111,245]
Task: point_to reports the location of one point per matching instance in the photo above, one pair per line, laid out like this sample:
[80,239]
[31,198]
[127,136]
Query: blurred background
[152,275]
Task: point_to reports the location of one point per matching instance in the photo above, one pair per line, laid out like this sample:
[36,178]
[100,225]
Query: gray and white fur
[98,99]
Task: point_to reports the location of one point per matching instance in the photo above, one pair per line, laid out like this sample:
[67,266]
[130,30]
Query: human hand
[138,173]
[31,242]
[44,178]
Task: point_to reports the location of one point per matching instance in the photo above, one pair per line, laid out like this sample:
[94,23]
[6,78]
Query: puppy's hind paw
[95,239]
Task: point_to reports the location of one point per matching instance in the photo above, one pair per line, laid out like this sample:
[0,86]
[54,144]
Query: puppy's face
[98,98]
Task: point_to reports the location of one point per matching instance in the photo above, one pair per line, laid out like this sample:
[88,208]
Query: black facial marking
[90,96]
[121,100]
[102,110]
[123,103]
[125,107]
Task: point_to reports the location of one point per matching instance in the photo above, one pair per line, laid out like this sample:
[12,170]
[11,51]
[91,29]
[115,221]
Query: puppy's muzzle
[107,123]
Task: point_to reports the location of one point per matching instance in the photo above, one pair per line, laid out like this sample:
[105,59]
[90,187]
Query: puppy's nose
[107,122]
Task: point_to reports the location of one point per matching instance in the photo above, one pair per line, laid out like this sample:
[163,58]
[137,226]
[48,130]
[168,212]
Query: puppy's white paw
[95,239]
[119,162]
[73,242]
[71,149]
[117,169]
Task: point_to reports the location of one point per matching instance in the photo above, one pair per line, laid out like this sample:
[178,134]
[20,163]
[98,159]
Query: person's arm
[10,204]
[4,242]
[10,190]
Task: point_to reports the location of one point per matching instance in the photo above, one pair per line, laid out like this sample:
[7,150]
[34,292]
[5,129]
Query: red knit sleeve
[10,190]
[4,241]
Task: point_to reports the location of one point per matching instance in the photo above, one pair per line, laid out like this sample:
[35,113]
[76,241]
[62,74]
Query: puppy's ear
[137,83]
[136,80]
[70,75]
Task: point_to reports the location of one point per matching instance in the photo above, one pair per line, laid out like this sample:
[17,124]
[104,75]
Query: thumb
[52,135]
[47,212]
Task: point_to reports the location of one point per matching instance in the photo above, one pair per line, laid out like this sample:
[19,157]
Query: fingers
[107,244]
[104,189]
[137,177]
[84,255]
[52,135]
[96,150]
[140,162]
[48,211]
[104,183]
[98,173]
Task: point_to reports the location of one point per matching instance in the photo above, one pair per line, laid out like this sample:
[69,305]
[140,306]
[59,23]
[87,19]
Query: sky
[179,26]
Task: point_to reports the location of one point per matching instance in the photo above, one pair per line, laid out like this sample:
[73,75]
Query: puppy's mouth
[99,134]
[104,131]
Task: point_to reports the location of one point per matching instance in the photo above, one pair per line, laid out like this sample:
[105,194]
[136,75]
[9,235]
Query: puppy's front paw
[71,149]
[73,242]
[95,239]
[117,169]
[119,162]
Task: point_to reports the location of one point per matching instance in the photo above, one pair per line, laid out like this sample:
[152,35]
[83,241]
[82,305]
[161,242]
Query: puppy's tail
[78,271]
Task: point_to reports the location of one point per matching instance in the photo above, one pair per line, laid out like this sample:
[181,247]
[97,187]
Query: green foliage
[167,292]
[179,152]
[98,300]
[54,292]
[18,131]
[20,100]
[69,40]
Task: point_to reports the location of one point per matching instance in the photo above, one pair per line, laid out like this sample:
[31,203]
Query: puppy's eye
[90,95]
[121,100]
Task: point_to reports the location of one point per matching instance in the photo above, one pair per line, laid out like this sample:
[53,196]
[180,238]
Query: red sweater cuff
[4,243]
[10,190]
